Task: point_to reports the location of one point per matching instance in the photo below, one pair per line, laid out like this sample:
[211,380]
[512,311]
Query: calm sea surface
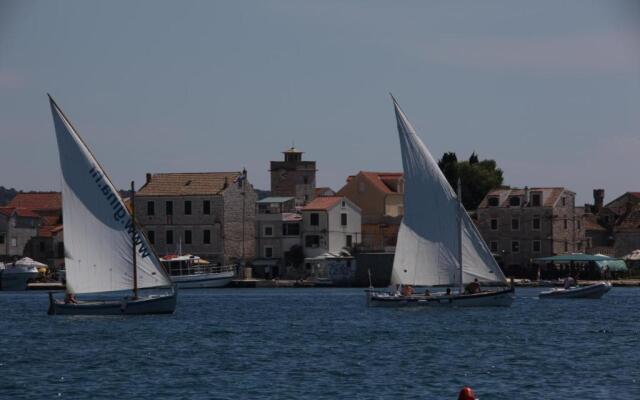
[323,344]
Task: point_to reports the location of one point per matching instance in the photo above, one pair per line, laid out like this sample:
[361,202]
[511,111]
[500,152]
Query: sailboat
[105,252]
[438,244]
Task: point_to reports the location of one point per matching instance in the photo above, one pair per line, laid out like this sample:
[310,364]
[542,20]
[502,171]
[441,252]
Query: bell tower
[293,177]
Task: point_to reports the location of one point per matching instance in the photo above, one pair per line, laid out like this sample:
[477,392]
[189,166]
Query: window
[343,219]
[268,230]
[515,246]
[42,247]
[187,207]
[168,207]
[566,246]
[515,224]
[290,229]
[579,224]
[579,246]
[514,201]
[151,208]
[312,241]
[564,201]
[305,180]
[536,199]
[494,224]
[493,201]
[152,236]
[14,242]
[361,187]
[314,219]
[536,223]
[1,238]
[268,251]
[206,239]
[206,207]
[493,245]
[187,237]
[535,246]
[565,223]
[349,241]
[169,237]
[344,204]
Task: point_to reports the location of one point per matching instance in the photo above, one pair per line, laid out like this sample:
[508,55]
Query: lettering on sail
[120,214]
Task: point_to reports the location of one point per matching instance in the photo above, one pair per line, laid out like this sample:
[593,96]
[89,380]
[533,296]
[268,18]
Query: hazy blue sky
[550,89]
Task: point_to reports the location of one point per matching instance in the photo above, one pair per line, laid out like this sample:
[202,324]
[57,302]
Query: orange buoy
[466,394]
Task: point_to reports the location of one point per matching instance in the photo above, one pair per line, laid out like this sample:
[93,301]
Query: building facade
[293,177]
[519,225]
[209,214]
[380,197]
[330,224]
[278,232]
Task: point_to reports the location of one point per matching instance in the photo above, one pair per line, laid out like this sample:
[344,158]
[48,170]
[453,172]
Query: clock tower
[293,177]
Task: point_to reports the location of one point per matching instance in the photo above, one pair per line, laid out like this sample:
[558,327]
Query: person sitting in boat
[473,287]
[70,298]
[407,290]
[448,291]
[569,282]
[427,293]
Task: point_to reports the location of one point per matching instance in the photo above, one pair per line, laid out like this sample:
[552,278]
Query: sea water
[323,344]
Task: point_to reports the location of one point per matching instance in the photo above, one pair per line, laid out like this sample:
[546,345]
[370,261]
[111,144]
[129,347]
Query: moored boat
[192,272]
[105,252]
[438,244]
[17,275]
[593,291]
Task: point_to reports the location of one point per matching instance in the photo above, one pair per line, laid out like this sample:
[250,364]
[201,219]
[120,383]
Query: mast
[460,211]
[133,241]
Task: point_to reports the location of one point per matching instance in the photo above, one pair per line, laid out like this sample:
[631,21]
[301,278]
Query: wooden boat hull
[202,281]
[500,298]
[161,304]
[595,291]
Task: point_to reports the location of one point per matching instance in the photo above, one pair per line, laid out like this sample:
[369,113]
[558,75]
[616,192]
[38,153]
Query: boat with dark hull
[438,244]
[593,291]
[106,253]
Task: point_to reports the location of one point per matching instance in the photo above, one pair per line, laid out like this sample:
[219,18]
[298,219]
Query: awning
[614,264]
[574,257]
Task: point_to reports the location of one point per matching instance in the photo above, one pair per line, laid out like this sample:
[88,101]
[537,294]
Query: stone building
[278,231]
[293,177]
[17,228]
[522,224]
[209,214]
[380,197]
[330,224]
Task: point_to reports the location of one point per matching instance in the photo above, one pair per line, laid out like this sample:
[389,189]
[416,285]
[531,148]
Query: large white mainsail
[97,224]
[429,237]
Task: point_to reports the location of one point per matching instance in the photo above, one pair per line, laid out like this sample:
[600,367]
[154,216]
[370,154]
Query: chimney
[598,200]
[226,182]
[148,177]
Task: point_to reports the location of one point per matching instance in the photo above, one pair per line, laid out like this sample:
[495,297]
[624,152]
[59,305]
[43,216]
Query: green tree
[477,177]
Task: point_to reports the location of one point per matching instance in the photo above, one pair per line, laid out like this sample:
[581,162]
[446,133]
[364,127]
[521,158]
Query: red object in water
[466,394]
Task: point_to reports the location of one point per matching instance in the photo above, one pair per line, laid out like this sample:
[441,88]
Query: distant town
[305,233]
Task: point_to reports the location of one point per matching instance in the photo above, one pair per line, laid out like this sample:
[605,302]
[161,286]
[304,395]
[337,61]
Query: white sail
[429,237]
[97,224]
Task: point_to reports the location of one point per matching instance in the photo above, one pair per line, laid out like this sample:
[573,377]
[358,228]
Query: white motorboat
[104,250]
[192,272]
[438,244]
[16,276]
[593,291]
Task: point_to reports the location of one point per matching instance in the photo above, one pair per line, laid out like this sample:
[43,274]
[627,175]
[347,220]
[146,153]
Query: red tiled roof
[383,180]
[187,184]
[591,223]
[7,211]
[50,220]
[320,190]
[37,201]
[25,212]
[322,203]
[631,221]
[45,231]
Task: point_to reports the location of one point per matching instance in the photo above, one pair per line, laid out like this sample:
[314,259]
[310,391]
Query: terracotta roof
[187,184]
[50,220]
[322,203]
[6,211]
[37,200]
[25,212]
[320,190]
[387,182]
[550,195]
[45,231]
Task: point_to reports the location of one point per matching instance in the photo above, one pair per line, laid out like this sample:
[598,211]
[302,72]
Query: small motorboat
[17,275]
[593,291]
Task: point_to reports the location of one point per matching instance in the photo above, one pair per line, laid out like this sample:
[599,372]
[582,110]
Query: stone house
[329,225]
[278,231]
[18,226]
[208,214]
[293,177]
[522,224]
[627,233]
[380,197]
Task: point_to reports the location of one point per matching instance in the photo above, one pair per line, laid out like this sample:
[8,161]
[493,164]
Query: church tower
[293,177]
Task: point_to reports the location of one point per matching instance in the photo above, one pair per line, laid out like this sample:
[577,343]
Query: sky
[549,89]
